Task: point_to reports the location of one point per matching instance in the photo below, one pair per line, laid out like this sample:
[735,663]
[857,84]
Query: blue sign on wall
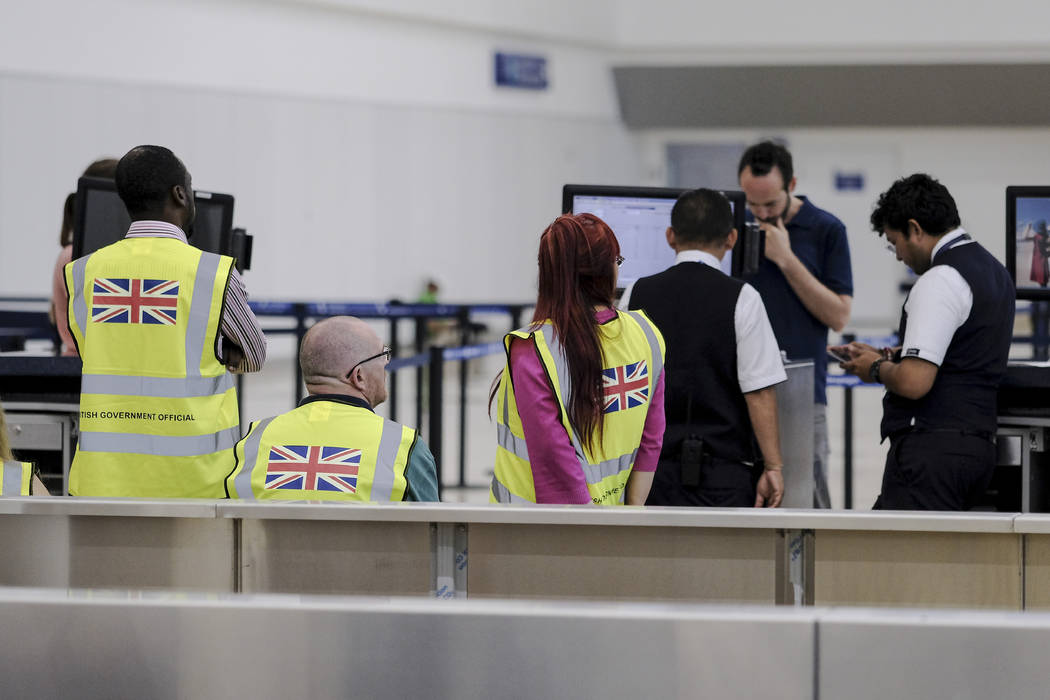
[849,182]
[521,71]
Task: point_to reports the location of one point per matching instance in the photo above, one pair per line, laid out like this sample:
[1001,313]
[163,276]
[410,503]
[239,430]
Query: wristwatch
[874,370]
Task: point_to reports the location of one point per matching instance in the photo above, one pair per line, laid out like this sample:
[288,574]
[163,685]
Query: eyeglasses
[386,352]
[619,260]
[892,248]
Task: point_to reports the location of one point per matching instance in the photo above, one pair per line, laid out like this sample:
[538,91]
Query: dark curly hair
[918,197]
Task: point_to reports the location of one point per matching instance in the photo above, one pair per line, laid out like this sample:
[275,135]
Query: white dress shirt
[939,302]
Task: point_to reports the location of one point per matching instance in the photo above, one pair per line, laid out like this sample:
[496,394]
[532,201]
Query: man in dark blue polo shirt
[805,280]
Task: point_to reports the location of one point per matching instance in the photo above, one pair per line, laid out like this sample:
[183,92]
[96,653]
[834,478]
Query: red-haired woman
[580,410]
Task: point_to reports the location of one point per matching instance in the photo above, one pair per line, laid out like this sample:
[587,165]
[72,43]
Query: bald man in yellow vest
[333,447]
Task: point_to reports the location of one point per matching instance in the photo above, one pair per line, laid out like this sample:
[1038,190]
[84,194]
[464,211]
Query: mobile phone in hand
[839,355]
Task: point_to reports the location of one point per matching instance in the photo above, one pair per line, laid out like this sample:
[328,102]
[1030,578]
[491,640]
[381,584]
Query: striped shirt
[239,325]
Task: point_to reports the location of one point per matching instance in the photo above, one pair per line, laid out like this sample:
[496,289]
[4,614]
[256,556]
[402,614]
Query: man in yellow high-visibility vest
[158,323]
[333,447]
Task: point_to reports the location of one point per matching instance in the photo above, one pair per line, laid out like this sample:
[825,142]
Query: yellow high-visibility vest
[158,410]
[324,450]
[633,357]
[16,478]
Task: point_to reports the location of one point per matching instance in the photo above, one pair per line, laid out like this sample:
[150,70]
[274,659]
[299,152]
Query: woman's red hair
[577,272]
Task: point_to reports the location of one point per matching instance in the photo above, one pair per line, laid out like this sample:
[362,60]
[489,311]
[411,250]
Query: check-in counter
[494,551]
[802,557]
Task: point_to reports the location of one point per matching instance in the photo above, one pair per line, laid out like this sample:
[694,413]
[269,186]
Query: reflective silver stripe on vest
[243,481]
[503,494]
[159,445]
[12,479]
[79,298]
[389,443]
[511,442]
[200,311]
[595,473]
[654,344]
[162,387]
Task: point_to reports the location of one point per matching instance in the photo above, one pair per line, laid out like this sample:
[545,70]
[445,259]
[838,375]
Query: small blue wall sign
[849,182]
[521,71]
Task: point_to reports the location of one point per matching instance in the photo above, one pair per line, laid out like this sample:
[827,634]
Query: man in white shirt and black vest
[722,366]
[939,411]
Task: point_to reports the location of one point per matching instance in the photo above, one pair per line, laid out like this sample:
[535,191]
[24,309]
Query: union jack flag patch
[122,300]
[626,386]
[313,468]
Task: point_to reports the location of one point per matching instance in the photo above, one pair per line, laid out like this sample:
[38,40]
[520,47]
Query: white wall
[976,165]
[835,30]
[368,148]
[366,151]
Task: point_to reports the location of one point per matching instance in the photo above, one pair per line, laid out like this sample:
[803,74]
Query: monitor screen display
[640,216]
[101,218]
[1028,240]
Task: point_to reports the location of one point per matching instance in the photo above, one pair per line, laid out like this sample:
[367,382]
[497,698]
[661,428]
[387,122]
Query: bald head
[332,346]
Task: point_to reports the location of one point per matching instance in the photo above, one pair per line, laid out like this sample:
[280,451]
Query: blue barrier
[849,381]
[397,363]
[469,352]
[374,310]
[880,341]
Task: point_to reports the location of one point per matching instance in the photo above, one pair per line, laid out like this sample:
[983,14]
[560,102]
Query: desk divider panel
[927,569]
[113,543]
[622,563]
[349,557]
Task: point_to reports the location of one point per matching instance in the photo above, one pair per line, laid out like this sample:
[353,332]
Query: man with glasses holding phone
[939,410]
[333,447]
[805,278]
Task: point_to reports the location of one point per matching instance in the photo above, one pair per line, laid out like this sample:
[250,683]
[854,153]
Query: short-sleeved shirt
[939,303]
[819,241]
[758,362]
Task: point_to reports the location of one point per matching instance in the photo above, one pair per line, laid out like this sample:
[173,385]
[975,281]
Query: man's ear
[913,228]
[181,196]
[671,239]
[791,185]
[731,239]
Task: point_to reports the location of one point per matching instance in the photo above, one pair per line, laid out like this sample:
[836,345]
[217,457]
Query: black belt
[984,435]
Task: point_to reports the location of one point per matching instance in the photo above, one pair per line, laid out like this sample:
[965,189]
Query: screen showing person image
[639,217]
[1032,240]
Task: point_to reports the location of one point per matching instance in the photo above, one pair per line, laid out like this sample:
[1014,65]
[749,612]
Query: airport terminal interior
[398,161]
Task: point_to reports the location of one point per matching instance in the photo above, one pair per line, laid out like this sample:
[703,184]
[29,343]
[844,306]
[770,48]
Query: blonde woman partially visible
[16,478]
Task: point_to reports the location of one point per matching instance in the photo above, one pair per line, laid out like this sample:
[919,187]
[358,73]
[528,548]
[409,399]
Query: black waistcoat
[963,395]
[694,307]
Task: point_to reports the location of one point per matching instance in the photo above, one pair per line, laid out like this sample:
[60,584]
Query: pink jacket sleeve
[653,434]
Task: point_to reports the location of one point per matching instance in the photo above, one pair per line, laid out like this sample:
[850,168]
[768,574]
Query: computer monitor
[639,216]
[1028,240]
[100,218]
